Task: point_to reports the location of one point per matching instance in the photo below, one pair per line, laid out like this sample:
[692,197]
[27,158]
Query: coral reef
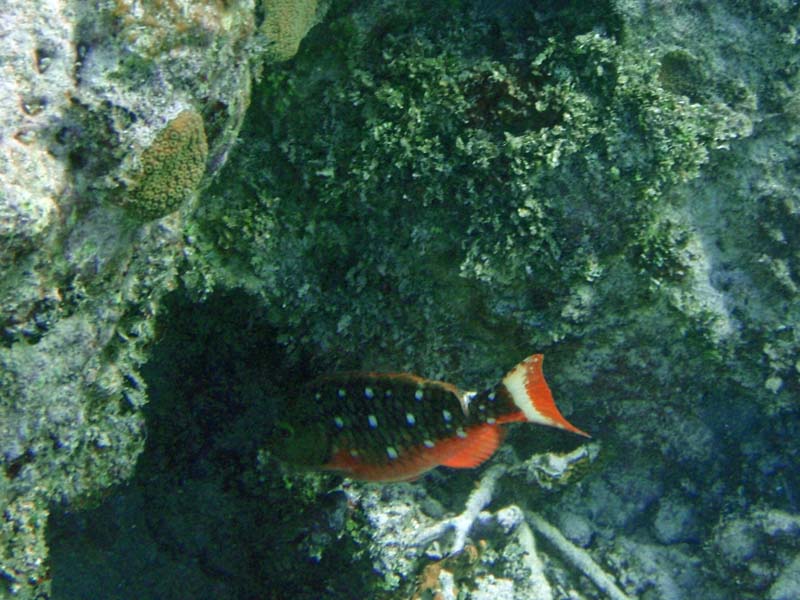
[170,168]
[437,187]
[286,23]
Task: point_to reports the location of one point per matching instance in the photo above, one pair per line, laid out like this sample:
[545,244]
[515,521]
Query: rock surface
[118,104]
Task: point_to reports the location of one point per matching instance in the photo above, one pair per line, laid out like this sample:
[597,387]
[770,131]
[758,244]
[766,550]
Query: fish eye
[285,431]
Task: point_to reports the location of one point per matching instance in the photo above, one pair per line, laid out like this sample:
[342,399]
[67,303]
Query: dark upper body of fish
[396,426]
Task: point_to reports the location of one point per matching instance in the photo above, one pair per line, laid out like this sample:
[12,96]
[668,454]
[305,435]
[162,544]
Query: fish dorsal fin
[479,444]
[391,378]
[530,393]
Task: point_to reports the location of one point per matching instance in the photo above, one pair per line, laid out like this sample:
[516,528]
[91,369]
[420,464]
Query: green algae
[414,172]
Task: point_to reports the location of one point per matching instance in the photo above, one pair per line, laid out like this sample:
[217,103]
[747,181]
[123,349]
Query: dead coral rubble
[511,519]
[419,549]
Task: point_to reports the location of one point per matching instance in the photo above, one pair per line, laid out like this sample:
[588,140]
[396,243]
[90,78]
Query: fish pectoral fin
[479,444]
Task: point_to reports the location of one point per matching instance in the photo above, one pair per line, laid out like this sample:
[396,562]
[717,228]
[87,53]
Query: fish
[386,427]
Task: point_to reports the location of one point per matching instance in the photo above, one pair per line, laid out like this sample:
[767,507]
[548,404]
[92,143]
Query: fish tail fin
[531,395]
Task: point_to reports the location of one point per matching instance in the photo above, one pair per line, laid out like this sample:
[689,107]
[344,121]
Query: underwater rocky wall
[114,115]
[191,230]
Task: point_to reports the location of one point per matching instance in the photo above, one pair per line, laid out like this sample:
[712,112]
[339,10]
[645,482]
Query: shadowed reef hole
[200,518]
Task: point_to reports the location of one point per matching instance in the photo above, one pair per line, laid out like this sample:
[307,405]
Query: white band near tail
[530,394]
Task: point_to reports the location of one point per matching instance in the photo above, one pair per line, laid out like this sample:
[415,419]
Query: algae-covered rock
[84,88]
[456,183]
[170,169]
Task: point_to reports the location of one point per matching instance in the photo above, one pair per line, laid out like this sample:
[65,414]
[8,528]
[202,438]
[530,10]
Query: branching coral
[461,524]
[577,557]
[520,525]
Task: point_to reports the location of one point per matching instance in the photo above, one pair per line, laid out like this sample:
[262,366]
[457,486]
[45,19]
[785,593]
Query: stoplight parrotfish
[397,426]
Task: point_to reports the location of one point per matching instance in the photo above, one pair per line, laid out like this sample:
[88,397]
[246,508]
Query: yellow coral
[286,22]
[171,168]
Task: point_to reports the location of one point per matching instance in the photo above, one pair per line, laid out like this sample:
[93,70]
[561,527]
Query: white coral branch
[512,520]
[578,557]
[463,523]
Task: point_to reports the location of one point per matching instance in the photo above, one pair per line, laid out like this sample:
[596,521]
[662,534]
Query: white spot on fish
[410,419]
[467,399]
[491,420]
[341,393]
[428,444]
[391,452]
[447,416]
[481,407]
[461,433]
[492,396]
[373,422]
[317,396]
[388,393]
[339,422]
[418,395]
[369,393]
